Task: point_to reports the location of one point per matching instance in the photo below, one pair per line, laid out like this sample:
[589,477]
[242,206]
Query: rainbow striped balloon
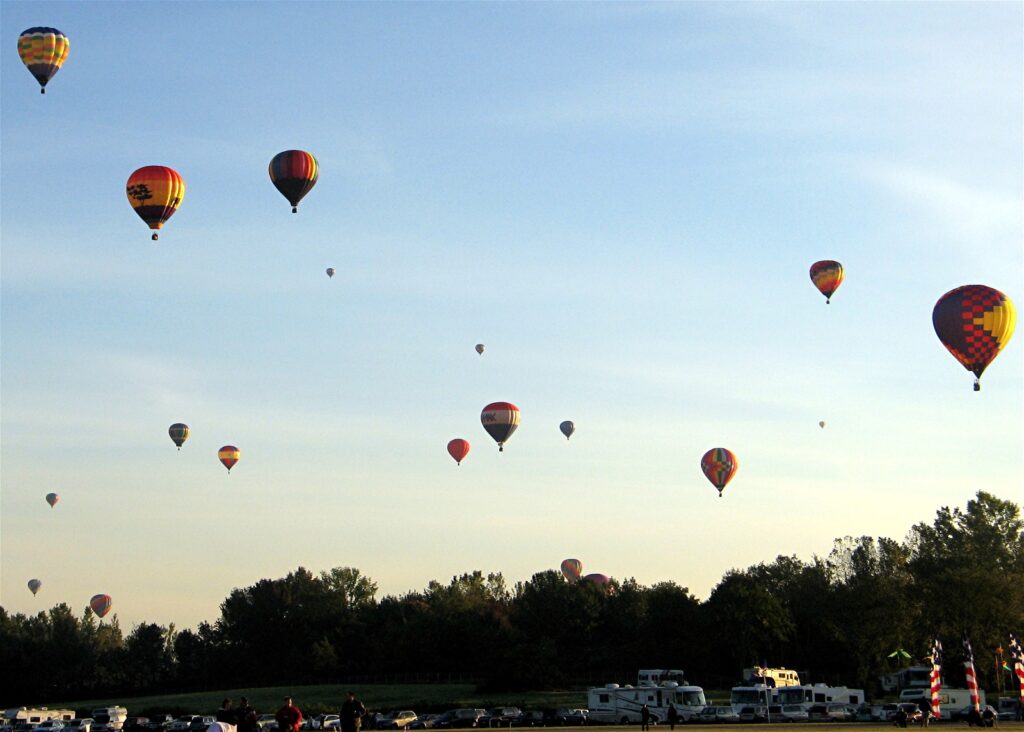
[719,465]
[43,51]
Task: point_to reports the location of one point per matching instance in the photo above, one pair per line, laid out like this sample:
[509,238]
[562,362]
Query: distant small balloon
[480,348]
[52,499]
[458,449]
[229,455]
[822,424]
[101,604]
[330,271]
[572,569]
[179,433]
[567,428]
[34,585]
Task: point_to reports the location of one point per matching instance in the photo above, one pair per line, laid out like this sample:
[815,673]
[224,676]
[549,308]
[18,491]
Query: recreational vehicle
[912,677]
[777,677]
[36,716]
[752,695]
[614,704]
[808,695]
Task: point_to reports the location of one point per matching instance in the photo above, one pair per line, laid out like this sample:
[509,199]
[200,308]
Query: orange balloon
[458,449]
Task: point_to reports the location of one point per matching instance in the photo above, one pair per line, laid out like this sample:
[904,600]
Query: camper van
[36,716]
[808,695]
[950,700]
[773,677]
[614,704]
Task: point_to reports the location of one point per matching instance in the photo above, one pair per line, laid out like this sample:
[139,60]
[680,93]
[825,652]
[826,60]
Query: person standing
[352,711]
[926,710]
[673,716]
[645,718]
[245,716]
[226,714]
[288,717]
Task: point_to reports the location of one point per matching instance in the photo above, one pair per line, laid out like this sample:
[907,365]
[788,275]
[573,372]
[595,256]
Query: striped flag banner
[972,678]
[936,677]
[1017,654]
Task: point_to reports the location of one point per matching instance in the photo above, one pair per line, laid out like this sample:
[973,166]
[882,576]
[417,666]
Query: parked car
[793,713]
[81,724]
[531,719]
[964,714]
[199,724]
[565,717]
[459,718]
[50,725]
[182,723]
[159,723]
[397,720]
[501,717]
[135,724]
[833,712]
[424,721]
[717,715]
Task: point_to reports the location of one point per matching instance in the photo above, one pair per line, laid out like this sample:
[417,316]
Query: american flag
[936,676]
[1017,654]
[972,680]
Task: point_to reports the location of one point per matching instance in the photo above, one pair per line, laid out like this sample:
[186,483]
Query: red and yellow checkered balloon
[974,323]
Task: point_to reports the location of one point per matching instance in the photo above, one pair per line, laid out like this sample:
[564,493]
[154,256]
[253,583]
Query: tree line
[836,617]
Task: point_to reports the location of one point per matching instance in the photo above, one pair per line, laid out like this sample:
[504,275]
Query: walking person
[288,717]
[673,715]
[645,718]
[352,711]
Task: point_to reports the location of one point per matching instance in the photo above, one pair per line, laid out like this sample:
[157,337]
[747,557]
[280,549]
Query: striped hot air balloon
[179,433]
[974,323]
[155,192]
[101,604]
[719,465]
[43,51]
[500,419]
[827,275]
[229,455]
[572,569]
[294,173]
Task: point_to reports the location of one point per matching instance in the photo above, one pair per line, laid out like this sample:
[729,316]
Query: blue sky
[620,200]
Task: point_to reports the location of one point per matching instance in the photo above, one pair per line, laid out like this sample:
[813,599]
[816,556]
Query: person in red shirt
[288,717]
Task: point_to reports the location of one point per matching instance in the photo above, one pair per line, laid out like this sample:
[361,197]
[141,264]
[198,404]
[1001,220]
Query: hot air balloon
[567,428]
[179,433]
[822,424]
[34,585]
[601,580]
[330,271]
[52,499]
[480,348]
[458,449]
[719,465]
[827,275]
[229,455]
[500,419]
[572,569]
[294,173]
[155,192]
[100,604]
[43,51]
[974,323]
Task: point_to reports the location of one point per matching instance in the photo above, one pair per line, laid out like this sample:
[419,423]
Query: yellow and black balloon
[974,323]
[43,51]
[294,173]
[155,192]
[827,275]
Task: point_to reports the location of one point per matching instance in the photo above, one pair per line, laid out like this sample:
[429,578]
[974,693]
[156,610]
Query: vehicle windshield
[747,696]
[691,698]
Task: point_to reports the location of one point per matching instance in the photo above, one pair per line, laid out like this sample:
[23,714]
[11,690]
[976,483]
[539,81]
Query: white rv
[36,716]
[614,704]
[807,695]
[950,700]
[777,677]
[752,695]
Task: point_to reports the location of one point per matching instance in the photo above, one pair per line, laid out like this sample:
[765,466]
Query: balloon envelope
[155,192]
[229,455]
[822,424]
[480,348]
[458,449]
[500,419]
[719,465]
[974,323]
[598,579]
[827,275]
[330,271]
[179,433]
[52,499]
[567,428]
[572,569]
[34,585]
[101,604]
[43,51]
[294,173]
